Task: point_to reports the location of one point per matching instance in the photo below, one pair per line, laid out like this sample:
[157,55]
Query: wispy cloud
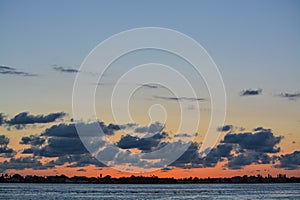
[65,69]
[291,96]
[24,118]
[250,92]
[151,86]
[180,98]
[14,71]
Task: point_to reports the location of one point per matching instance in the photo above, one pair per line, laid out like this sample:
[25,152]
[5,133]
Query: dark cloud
[144,144]
[110,129]
[192,159]
[5,151]
[73,161]
[33,140]
[289,161]
[86,160]
[237,150]
[13,71]
[63,143]
[59,146]
[29,151]
[248,158]
[189,158]
[65,70]
[69,130]
[63,140]
[216,155]
[258,128]
[263,141]
[2,117]
[180,98]
[21,163]
[24,118]
[58,140]
[250,92]
[61,130]
[291,96]
[4,140]
[225,128]
[252,148]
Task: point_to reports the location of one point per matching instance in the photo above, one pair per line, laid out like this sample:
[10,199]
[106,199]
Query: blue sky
[255,44]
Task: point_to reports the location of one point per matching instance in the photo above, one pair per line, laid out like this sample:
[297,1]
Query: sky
[254,44]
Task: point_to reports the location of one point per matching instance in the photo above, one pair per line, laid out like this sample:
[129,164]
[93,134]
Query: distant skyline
[255,45]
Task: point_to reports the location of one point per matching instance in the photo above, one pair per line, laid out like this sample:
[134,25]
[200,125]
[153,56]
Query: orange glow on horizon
[215,172]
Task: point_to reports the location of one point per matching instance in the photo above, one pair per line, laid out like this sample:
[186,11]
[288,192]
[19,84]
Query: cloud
[61,130]
[62,144]
[33,140]
[58,146]
[144,144]
[73,161]
[263,141]
[21,163]
[258,128]
[69,130]
[152,86]
[4,140]
[192,159]
[225,128]
[166,169]
[5,151]
[155,127]
[65,70]
[180,98]
[291,96]
[63,139]
[24,118]
[250,92]
[13,71]
[289,161]
[252,148]
[185,135]
[2,117]
[237,150]
[32,162]
[248,158]
[58,140]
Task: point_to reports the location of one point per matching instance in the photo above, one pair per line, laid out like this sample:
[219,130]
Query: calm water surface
[184,191]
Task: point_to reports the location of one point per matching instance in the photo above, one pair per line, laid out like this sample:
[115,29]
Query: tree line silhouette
[17,178]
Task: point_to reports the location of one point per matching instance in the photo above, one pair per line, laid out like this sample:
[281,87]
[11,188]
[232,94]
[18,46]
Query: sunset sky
[254,44]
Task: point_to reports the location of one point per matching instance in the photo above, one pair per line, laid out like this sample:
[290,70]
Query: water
[120,192]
